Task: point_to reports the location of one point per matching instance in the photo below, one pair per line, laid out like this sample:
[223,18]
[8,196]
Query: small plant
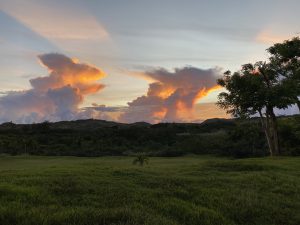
[141,159]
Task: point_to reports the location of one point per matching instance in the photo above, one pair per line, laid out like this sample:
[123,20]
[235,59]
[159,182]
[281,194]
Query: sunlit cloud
[171,96]
[267,37]
[56,23]
[53,97]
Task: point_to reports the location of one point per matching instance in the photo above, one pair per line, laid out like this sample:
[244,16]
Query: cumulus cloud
[102,112]
[53,97]
[171,96]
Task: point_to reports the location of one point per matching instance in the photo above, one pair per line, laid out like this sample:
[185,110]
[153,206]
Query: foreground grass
[187,190]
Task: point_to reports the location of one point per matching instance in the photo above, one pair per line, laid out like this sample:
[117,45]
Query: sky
[130,60]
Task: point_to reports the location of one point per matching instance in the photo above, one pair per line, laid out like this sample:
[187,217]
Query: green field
[187,190]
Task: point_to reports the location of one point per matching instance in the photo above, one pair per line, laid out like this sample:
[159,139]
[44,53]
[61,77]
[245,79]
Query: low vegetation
[141,160]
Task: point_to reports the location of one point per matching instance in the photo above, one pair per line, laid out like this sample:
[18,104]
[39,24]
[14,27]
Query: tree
[250,91]
[259,88]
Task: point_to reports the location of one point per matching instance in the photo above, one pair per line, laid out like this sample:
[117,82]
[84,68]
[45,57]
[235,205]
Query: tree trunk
[271,121]
[298,104]
[265,125]
[273,130]
[269,124]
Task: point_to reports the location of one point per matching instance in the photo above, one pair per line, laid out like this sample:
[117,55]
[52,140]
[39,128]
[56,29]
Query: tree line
[226,137]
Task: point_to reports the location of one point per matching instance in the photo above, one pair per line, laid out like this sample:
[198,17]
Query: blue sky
[122,37]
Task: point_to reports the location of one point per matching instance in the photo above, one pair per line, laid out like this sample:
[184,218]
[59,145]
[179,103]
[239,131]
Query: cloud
[65,71]
[268,37]
[53,97]
[104,108]
[102,112]
[55,21]
[209,110]
[171,96]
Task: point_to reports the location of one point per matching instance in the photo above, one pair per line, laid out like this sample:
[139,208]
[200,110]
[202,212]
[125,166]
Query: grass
[186,190]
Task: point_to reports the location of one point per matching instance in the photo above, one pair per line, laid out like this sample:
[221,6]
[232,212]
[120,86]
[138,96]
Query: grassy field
[187,190]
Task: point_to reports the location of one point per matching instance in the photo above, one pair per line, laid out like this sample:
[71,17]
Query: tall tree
[253,90]
[259,88]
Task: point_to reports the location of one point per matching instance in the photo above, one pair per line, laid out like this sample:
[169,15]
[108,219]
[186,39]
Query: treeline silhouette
[228,137]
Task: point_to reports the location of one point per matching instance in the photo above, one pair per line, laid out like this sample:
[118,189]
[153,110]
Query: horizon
[132,61]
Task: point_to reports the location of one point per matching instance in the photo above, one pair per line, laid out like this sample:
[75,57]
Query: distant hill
[89,124]
[231,137]
[94,124]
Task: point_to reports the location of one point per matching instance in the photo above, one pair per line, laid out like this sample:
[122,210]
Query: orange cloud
[171,96]
[53,97]
[65,71]
[268,37]
[57,23]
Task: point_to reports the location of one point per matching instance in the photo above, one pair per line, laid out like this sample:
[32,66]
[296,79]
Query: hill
[234,137]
